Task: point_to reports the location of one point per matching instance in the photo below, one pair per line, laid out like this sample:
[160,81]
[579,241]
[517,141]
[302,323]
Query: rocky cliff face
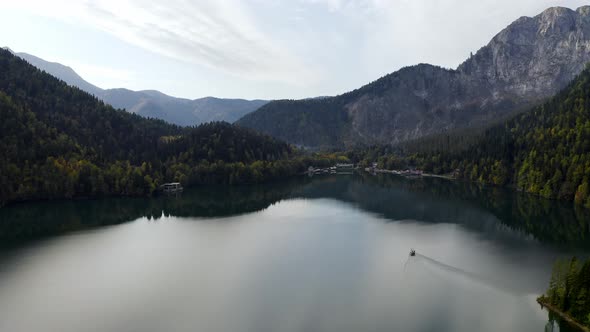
[533,58]
[536,55]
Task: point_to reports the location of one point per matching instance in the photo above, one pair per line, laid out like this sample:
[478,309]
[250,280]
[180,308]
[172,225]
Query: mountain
[544,151]
[62,72]
[530,60]
[151,103]
[57,141]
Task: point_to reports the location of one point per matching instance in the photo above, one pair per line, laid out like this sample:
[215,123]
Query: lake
[309,254]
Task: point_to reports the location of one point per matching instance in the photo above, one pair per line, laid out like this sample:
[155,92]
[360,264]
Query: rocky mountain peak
[551,47]
[556,11]
[557,20]
[531,59]
[583,11]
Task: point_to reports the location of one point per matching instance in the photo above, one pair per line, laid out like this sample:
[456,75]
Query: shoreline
[510,187]
[563,315]
[398,172]
[447,177]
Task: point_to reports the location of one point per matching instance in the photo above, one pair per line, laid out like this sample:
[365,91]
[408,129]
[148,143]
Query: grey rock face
[531,59]
[534,56]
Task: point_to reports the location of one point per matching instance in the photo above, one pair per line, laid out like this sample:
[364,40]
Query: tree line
[544,151]
[569,289]
[57,141]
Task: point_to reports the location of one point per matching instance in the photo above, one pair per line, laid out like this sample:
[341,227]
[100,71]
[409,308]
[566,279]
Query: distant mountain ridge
[530,60]
[57,141]
[152,103]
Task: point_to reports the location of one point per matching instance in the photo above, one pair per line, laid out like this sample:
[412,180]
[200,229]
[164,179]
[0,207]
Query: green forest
[544,151]
[57,141]
[569,289]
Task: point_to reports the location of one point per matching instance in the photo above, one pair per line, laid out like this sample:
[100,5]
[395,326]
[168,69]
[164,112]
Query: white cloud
[286,48]
[217,34]
[398,33]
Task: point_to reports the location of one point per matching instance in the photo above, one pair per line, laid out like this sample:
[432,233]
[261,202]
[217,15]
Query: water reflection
[488,211]
[321,254]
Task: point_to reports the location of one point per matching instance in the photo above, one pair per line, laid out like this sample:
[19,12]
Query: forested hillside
[545,151]
[152,103]
[59,142]
[569,289]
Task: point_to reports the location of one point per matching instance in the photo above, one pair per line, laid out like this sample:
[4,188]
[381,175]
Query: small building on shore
[172,187]
[345,166]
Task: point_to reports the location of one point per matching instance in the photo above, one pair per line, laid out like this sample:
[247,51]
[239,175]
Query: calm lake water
[321,254]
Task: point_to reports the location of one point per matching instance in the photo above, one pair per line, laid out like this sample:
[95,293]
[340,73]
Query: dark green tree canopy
[57,141]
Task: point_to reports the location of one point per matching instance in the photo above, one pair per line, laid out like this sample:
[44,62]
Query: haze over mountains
[151,103]
[530,60]
[527,62]
[57,141]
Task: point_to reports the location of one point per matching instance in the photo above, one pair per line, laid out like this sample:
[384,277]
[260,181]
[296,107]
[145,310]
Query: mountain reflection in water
[322,254]
[490,211]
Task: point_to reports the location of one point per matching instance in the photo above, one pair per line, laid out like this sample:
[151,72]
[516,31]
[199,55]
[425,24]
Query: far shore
[410,173]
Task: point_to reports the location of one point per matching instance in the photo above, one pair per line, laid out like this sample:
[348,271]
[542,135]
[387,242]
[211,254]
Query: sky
[254,49]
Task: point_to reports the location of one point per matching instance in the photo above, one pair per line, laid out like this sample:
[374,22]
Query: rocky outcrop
[531,59]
